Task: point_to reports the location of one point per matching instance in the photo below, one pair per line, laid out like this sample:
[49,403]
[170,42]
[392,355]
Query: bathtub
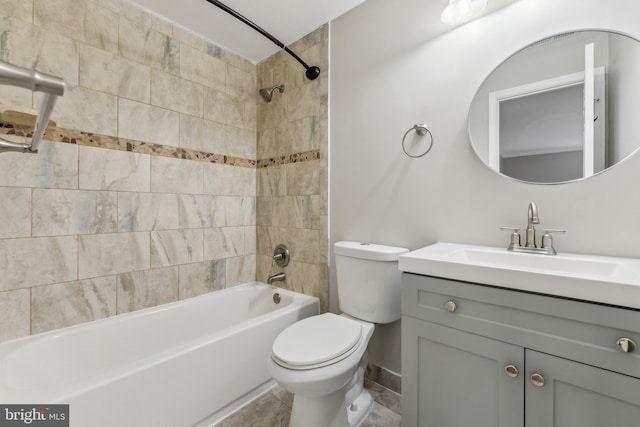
[187,363]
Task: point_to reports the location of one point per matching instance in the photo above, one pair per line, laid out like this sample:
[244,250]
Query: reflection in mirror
[560,109]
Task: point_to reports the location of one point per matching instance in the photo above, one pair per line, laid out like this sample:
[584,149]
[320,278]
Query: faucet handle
[515,236]
[547,240]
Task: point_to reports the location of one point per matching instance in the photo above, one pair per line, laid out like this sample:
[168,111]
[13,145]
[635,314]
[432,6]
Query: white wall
[388,73]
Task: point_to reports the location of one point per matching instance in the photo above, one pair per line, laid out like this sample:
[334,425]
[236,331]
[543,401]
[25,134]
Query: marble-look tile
[201,278]
[39,261]
[224,108]
[17,9]
[107,254]
[142,289]
[213,137]
[303,178]
[265,411]
[305,279]
[149,47]
[106,72]
[272,181]
[304,101]
[14,322]
[27,46]
[202,211]
[135,13]
[79,20]
[230,58]
[16,215]
[303,244]
[201,68]
[223,242]
[15,96]
[65,212]
[147,211]
[65,304]
[240,211]
[88,110]
[297,212]
[382,417]
[102,169]
[176,175]
[175,93]
[240,83]
[241,270]
[55,166]
[229,180]
[147,123]
[187,37]
[304,134]
[250,240]
[264,209]
[174,247]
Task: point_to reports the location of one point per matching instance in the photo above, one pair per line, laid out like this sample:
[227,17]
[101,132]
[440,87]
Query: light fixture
[461,11]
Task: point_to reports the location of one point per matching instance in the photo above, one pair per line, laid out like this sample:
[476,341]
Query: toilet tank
[368,280]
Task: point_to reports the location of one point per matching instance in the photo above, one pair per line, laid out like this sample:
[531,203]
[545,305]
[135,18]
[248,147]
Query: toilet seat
[316,341]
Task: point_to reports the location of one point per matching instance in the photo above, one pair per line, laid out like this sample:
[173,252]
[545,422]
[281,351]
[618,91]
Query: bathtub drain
[276,298]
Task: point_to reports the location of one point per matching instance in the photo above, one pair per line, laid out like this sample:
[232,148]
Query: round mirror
[561,109]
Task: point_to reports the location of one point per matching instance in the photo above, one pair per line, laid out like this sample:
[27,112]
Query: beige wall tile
[214,137]
[65,304]
[147,123]
[187,37]
[229,180]
[303,178]
[177,94]
[200,211]
[176,175]
[174,247]
[29,46]
[147,211]
[149,47]
[65,212]
[15,212]
[240,211]
[87,110]
[106,72]
[39,261]
[79,20]
[201,68]
[17,9]
[102,169]
[241,270]
[223,108]
[15,321]
[107,254]
[55,166]
[223,242]
[201,278]
[240,83]
[142,289]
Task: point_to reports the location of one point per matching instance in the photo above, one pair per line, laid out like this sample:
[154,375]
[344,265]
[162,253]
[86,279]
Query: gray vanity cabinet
[479,356]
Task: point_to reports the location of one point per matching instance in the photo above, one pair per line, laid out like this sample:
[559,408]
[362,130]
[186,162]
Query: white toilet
[322,359]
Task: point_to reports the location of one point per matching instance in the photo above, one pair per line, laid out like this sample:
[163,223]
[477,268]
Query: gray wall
[392,73]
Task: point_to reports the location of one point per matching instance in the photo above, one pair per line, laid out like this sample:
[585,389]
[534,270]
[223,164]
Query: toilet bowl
[322,359]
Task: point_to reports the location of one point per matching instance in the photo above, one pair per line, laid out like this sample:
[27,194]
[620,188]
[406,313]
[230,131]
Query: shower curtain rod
[312,72]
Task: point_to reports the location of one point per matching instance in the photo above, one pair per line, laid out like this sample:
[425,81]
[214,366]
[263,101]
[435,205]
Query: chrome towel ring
[421,130]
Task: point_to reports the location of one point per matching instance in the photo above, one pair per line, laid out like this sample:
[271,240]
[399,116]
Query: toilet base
[359,409]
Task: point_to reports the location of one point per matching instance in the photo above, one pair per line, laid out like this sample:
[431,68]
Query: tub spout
[276,278]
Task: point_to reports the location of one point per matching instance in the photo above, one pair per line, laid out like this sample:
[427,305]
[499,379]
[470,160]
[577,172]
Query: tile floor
[273,409]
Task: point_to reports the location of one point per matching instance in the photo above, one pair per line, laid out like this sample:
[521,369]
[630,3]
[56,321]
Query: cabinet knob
[450,306]
[537,379]
[626,345]
[511,371]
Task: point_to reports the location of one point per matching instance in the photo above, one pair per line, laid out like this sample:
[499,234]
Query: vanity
[493,338]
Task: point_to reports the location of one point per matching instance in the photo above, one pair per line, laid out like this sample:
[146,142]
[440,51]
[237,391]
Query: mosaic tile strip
[70,136]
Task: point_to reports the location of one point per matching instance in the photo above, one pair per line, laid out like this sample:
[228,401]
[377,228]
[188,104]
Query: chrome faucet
[278,277]
[546,246]
[532,218]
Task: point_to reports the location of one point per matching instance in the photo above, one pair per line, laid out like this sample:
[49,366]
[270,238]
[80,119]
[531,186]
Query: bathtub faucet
[279,277]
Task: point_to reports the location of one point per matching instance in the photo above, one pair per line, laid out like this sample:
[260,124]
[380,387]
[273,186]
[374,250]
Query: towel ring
[421,130]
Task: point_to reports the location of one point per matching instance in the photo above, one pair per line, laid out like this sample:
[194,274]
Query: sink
[608,280]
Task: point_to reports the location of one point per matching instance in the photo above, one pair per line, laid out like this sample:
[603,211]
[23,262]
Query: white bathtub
[181,364]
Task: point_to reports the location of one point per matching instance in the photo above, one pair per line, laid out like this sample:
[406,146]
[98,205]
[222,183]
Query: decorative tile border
[70,136]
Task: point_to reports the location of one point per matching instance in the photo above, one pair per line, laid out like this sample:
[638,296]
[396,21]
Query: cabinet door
[578,395]
[452,378]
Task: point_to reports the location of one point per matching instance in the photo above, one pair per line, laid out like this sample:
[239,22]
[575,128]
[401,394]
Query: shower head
[266,94]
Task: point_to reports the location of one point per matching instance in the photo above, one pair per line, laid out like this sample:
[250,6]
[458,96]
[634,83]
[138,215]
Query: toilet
[322,359]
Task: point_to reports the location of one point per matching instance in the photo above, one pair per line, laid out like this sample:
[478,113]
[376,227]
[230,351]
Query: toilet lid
[316,340]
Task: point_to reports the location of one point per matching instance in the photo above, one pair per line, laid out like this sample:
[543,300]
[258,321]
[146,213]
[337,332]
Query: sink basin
[607,280]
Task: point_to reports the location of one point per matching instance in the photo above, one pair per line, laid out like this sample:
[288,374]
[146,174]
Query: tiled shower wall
[146,191]
[293,167]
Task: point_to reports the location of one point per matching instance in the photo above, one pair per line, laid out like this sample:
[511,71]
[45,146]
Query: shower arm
[312,72]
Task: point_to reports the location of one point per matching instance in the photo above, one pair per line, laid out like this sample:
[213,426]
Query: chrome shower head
[266,94]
